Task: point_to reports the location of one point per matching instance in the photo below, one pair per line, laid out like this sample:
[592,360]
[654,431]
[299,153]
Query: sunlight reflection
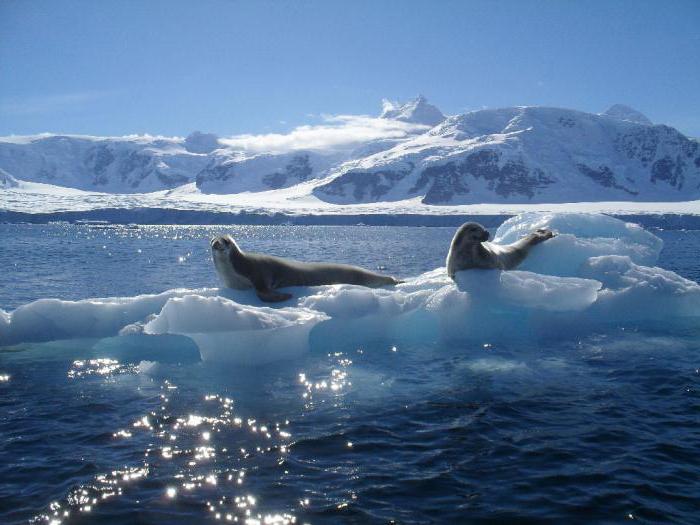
[199,462]
[100,366]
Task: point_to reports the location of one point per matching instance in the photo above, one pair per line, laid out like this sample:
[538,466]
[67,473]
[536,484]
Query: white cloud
[388,105]
[338,132]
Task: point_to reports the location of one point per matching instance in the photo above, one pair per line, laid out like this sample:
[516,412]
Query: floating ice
[487,365]
[597,274]
[358,314]
[529,290]
[51,319]
[352,302]
[581,235]
[5,319]
[637,293]
[226,331]
[493,305]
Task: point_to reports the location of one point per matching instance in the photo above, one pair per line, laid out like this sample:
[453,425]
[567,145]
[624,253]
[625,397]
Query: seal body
[470,249]
[266,273]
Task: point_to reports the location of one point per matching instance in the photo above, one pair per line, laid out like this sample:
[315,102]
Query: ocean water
[601,428]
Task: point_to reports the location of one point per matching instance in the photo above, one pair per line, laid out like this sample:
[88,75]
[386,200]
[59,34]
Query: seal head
[470,233]
[466,250]
[224,252]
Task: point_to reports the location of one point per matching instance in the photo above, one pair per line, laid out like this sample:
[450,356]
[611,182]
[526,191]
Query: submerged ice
[597,274]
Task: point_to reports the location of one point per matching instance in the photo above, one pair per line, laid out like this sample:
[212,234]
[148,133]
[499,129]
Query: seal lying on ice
[266,273]
[469,249]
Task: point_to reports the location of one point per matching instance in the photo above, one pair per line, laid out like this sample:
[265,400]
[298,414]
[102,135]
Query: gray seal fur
[469,249]
[266,273]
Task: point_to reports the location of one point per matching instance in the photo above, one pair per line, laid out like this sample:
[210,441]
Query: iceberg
[597,275]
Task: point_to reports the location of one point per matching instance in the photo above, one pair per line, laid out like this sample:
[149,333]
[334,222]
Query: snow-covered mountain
[527,154]
[416,111]
[509,155]
[198,142]
[231,173]
[622,112]
[142,164]
[135,164]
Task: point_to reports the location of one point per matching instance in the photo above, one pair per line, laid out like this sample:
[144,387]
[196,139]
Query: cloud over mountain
[337,132]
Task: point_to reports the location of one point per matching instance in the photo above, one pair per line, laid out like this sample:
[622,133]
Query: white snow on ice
[598,274]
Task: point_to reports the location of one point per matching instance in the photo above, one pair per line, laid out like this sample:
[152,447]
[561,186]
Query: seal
[469,249]
[266,273]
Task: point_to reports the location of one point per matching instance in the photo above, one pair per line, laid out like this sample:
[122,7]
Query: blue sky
[230,67]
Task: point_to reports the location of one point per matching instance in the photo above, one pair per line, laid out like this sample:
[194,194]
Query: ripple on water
[193,459]
[605,427]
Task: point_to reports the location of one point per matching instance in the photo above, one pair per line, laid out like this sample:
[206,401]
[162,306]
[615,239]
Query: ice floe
[597,274]
[581,235]
[226,331]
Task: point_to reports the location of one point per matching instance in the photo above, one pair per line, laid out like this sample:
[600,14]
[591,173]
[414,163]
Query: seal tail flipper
[383,280]
[270,296]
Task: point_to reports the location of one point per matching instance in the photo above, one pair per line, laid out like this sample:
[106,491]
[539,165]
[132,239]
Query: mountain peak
[198,142]
[416,111]
[622,112]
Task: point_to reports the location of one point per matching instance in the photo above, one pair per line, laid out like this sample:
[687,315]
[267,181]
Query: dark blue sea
[603,428]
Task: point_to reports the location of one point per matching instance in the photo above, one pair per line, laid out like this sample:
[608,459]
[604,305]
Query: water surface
[602,428]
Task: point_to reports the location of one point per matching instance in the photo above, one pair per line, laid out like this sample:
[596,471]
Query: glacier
[597,275]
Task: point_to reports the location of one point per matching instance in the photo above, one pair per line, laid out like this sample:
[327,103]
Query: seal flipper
[270,296]
[264,290]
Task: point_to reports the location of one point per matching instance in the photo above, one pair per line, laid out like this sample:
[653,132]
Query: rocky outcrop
[511,178]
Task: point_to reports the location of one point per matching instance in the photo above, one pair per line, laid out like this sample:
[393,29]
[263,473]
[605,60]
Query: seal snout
[224,243]
[219,243]
[485,236]
[216,244]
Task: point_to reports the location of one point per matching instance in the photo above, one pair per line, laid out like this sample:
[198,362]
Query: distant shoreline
[148,216]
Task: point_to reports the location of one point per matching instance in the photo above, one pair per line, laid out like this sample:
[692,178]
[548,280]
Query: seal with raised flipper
[266,273]
[469,249]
